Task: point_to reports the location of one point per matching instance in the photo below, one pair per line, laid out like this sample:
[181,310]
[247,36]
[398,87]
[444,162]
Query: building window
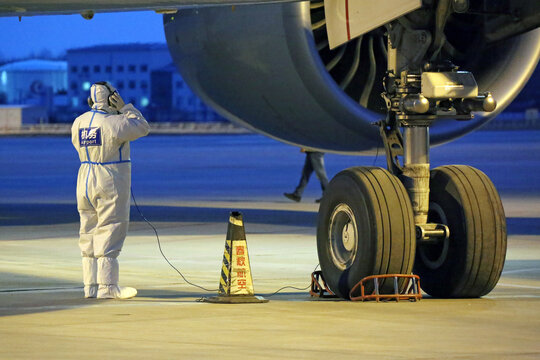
[97,68]
[144,101]
[120,84]
[73,85]
[144,68]
[85,69]
[73,69]
[132,84]
[120,68]
[132,68]
[86,85]
[75,102]
[108,69]
[144,84]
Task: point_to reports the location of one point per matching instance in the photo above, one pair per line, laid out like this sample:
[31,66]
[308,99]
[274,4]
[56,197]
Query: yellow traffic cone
[236,284]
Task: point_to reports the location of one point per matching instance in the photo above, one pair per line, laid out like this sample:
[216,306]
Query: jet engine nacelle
[269,68]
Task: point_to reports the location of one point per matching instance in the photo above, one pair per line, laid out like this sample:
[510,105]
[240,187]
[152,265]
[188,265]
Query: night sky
[57,33]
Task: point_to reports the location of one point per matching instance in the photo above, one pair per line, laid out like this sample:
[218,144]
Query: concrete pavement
[43,314]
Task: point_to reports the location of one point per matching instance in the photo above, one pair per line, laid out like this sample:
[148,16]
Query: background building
[127,67]
[172,99]
[144,76]
[32,82]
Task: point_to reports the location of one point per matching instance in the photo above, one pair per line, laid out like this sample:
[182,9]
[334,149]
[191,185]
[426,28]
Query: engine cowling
[268,68]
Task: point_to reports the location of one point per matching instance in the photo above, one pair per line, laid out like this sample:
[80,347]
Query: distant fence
[528,120]
[155,128]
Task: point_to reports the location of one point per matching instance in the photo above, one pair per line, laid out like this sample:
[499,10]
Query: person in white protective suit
[101,136]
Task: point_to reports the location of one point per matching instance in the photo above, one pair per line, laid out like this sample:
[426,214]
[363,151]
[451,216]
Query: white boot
[115,292]
[89,265]
[108,274]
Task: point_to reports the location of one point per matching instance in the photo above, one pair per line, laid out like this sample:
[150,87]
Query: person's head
[99,98]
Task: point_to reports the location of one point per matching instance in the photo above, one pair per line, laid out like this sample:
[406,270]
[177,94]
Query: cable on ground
[182,275]
[161,251]
[292,287]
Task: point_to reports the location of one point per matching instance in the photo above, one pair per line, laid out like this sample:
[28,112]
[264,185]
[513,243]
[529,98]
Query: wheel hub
[343,236]
[434,255]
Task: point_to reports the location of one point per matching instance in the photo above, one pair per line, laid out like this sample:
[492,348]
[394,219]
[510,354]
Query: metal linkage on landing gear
[414,101]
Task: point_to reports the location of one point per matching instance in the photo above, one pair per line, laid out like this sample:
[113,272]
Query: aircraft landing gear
[450,219]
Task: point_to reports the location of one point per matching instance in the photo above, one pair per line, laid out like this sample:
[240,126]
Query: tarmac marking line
[520,270]
[96,303]
[519,286]
[38,308]
[525,296]
[31,291]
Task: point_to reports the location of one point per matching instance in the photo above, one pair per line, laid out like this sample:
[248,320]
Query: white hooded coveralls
[101,137]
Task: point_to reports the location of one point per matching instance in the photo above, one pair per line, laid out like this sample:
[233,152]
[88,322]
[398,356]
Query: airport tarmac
[186,186]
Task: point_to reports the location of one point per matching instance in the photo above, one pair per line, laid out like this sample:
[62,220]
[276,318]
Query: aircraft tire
[470,262]
[365,227]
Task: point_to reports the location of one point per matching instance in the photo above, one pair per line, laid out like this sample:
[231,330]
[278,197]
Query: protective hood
[100,97]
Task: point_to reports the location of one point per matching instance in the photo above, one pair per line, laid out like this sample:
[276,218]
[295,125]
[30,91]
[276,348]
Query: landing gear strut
[450,220]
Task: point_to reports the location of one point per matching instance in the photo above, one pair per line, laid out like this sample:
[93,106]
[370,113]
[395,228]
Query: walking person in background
[314,162]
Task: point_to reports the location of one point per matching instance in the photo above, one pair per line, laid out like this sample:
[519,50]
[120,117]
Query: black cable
[292,287]
[161,251]
[182,275]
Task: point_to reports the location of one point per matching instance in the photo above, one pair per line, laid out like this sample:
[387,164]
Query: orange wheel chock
[319,287]
[411,290]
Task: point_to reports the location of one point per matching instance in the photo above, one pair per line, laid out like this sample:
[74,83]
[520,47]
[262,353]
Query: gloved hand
[117,102]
